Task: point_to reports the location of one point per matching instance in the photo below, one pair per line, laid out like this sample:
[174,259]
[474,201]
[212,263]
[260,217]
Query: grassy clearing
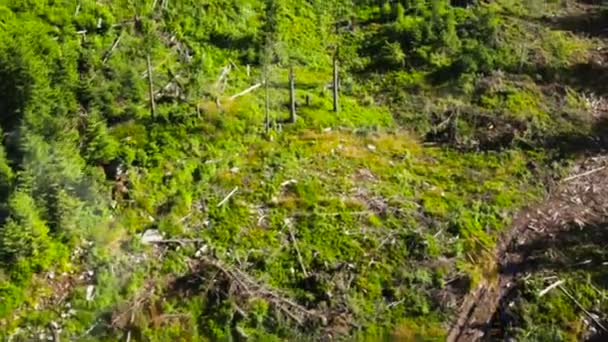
[392,219]
[351,216]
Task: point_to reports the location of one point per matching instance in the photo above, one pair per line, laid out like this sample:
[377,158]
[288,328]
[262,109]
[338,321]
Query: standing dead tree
[343,13]
[270,54]
[151,87]
[292,96]
[266,100]
[336,83]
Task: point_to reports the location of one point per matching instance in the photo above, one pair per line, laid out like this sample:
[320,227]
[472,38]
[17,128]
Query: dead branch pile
[244,287]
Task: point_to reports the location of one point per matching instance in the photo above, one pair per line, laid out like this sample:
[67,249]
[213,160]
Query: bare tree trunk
[336,84]
[151,87]
[292,96]
[266,101]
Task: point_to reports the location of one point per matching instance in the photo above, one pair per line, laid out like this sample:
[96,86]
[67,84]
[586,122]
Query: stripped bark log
[549,288]
[246,91]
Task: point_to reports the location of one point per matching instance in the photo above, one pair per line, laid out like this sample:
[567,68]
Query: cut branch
[221,80]
[145,73]
[295,246]
[114,45]
[445,123]
[246,91]
[178,241]
[252,287]
[590,172]
[549,288]
[174,80]
[580,306]
[228,196]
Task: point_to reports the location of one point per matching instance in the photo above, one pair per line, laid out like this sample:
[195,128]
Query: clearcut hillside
[156,186]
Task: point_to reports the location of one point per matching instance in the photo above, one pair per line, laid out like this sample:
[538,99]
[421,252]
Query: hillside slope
[552,274]
[153,188]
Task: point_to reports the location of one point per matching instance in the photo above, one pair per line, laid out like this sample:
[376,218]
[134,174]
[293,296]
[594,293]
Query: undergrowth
[348,224]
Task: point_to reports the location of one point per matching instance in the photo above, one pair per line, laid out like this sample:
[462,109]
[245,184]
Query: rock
[201,251]
[288,222]
[90,293]
[288,182]
[150,236]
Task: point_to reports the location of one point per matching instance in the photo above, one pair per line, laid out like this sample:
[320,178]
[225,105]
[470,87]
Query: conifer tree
[25,233]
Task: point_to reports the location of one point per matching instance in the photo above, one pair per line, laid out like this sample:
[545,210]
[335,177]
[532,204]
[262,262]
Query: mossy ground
[397,217]
[351,215]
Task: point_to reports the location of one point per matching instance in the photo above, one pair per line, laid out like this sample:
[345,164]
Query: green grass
[374,199]
[380,220]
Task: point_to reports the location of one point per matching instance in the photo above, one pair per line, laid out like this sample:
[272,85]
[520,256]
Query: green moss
[519,104]
[343,212]
[417,330]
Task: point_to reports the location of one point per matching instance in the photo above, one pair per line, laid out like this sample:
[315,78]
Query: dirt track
[579,200]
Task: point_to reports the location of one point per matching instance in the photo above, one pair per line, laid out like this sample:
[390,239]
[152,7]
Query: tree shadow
[573,249]
[506,133]
[592,22]
[589,77]
[246,45]
[306,85]
[574,144]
